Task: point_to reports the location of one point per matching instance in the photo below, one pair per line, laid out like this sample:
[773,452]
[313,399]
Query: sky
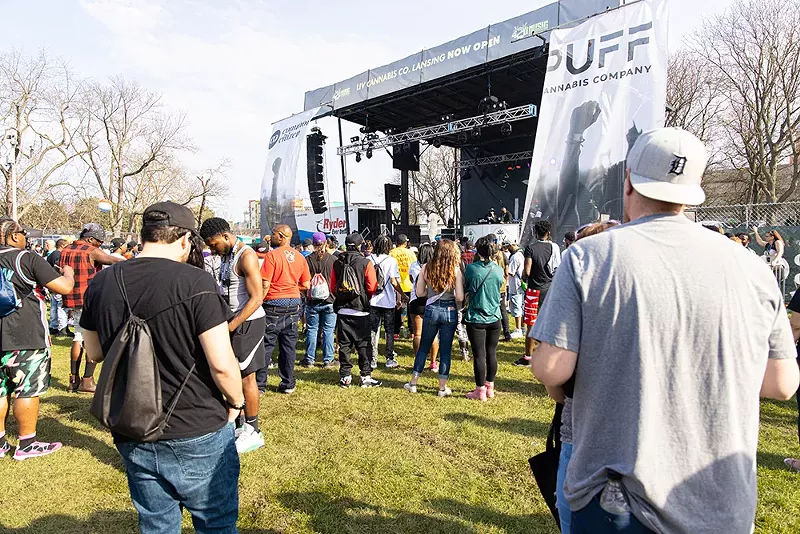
[236,66]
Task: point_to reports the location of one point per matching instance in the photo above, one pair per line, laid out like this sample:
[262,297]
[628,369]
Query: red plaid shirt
[77,256]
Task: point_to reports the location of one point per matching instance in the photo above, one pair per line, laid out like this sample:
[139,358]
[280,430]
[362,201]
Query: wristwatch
[234,406]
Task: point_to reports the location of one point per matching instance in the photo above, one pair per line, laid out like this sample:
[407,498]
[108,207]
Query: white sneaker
[411,388]
[517,334]
[369,382]
[391,364]
[446,392]
[373,363]
[249,440]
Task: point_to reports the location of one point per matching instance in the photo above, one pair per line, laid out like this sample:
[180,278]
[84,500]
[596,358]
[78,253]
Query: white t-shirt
[516,270]
[387,297]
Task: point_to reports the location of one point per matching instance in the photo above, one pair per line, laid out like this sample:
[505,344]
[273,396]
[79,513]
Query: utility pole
[11,137]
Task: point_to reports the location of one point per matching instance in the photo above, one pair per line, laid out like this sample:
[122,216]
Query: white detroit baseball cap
[667,164]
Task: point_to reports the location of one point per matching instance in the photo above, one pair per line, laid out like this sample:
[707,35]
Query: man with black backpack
[24,337]
[353,282]
[170,388]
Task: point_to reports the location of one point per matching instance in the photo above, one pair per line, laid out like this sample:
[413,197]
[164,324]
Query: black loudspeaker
[315,148]
[406,156]
[412,232]
[392,193]
[449,233]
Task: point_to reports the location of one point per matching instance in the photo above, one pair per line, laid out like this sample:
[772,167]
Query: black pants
[484,338]
[281,331]
[354,333]
[504,314]
[387,315]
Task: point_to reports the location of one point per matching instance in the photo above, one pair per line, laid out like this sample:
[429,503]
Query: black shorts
[417,306]
[248,345]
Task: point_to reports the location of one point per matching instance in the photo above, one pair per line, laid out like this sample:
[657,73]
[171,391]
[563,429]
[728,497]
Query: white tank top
[236,291]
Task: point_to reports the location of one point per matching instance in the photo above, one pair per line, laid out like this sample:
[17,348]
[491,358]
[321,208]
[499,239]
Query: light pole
[11,137]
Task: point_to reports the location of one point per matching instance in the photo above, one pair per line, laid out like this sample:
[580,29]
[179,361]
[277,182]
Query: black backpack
[348,285]
[379,275]
[128,396]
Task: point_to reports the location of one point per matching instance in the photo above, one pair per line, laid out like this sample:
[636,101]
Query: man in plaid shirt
[84,256]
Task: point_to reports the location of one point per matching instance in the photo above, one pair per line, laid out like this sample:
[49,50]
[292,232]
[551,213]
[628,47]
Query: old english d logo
[678,165]
[274,139]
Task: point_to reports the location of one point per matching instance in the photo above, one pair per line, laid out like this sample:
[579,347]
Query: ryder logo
[331,225]
[274,139]
[610,43]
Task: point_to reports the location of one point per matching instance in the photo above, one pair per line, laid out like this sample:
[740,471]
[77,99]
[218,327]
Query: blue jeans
[281,331]
[592,519]
[58,315]
[564,513]
[316,315]
[200,474]
[440,318]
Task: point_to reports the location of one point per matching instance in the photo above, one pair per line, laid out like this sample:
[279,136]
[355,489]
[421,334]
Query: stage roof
[452,78]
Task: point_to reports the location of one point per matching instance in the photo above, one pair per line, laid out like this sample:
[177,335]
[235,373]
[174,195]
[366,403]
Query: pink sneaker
[5,449]
[434,366]
[489,390]
[36,449]
[477,394]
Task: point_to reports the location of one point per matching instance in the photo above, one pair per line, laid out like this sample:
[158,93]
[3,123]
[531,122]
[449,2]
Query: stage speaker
[406,156]
[412,232]
[449,233]
[392,193]
[315,148]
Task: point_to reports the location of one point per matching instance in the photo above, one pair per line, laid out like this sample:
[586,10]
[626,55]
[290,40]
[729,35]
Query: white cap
[667,164]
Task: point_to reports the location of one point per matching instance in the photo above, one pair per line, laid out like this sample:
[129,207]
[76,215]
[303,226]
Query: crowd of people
[635,329]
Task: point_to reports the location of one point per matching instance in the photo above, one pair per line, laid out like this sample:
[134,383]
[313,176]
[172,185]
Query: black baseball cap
[117,242]
[401,238]
[177,215]
[354,240]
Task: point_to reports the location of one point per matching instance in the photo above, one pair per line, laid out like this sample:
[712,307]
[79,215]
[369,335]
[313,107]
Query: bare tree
[210,185]
[755,49]
[436,187]
[39,118]
[127,134]
[695,99]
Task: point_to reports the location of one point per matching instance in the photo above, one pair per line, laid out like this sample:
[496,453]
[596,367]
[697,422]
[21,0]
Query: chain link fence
[741,218]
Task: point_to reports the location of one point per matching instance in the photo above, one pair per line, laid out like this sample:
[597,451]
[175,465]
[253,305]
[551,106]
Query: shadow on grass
[487,516]
[770,460]
[104,521]
[334,515]
[516,425]
[330,377]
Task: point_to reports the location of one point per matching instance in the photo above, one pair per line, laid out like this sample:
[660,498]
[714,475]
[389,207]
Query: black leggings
[484,339]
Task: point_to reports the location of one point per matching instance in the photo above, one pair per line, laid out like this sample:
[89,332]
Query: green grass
[347,461]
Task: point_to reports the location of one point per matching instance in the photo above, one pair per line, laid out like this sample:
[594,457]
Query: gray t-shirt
[673,326]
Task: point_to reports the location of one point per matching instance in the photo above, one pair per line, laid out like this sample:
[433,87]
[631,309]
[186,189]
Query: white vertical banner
[606,83]
[284,188]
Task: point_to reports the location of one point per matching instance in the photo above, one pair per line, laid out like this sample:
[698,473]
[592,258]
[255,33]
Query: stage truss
[496,160]
[448,128]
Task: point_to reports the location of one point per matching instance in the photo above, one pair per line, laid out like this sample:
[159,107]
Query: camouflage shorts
[26,373]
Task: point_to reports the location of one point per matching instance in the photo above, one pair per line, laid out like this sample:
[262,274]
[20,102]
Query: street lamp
[13,141]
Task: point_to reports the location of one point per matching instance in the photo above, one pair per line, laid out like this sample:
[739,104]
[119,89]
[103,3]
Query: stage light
[519,166]
[406,147]
[437,143]
[476,132]
[506,129]
[463,138]
[488,104]
[355,139]
[358,157]
[369,151]
[510,168]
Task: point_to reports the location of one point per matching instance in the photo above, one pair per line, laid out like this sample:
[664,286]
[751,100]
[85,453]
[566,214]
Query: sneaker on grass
[345,381]
[411,388]
[523,362]
[373,363]
[5,449]
[249,439]
[517,334]
[307,364]
[36,449]
[392,364]
[446,392]
[330,365]
[369,382]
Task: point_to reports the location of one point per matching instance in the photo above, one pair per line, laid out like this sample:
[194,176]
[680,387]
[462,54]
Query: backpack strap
[174,402]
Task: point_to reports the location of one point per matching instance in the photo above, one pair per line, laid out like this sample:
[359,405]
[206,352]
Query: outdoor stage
[478,94]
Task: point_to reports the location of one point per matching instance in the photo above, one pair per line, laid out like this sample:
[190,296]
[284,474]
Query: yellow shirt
[404,259]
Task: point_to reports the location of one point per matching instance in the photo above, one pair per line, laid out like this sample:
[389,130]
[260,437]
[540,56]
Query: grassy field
[347,461]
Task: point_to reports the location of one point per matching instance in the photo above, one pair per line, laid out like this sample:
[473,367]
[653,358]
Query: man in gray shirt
[669,352]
